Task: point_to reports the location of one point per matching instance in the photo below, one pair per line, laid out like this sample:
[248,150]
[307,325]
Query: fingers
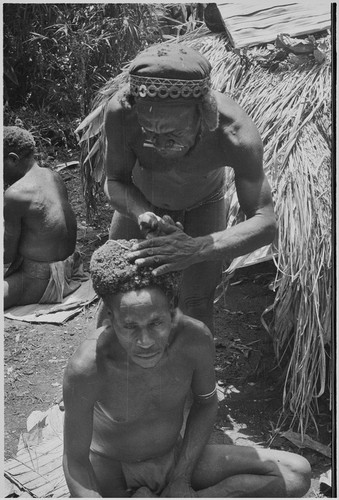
[168,220]
[149,245]
[147,261]
[148,222]
[165,268]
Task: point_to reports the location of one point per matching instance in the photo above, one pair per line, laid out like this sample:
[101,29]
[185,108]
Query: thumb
[168,228]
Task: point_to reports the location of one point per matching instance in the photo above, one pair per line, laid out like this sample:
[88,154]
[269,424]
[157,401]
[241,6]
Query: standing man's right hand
[151,225]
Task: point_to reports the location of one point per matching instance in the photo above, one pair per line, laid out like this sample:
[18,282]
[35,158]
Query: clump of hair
[112,273]
[125,98]
[18,140]
[209,111]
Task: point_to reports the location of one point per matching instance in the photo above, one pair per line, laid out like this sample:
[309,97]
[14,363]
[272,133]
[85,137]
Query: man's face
[142,322]
[170,128]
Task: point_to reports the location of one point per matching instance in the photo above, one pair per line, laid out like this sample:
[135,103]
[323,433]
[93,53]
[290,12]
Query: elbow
[271,229]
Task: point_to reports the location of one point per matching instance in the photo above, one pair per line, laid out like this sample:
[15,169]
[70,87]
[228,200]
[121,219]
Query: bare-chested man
[124,394]
[40,227]
[169,139]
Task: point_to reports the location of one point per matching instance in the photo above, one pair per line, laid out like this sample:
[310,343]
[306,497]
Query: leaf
[306,442]
[90,118]
[93,150]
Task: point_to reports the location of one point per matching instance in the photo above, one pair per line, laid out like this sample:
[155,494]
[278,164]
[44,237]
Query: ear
[14,157]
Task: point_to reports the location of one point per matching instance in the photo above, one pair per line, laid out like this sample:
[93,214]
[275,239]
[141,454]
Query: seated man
[40,228]
[124,394]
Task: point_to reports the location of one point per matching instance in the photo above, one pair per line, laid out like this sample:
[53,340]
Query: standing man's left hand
[173,252]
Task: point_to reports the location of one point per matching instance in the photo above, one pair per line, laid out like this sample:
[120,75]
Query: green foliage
[58,55]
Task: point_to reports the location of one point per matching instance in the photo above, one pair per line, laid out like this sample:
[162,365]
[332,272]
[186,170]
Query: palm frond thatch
[291,107]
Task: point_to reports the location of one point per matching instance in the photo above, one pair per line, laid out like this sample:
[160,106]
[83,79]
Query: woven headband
[147,86]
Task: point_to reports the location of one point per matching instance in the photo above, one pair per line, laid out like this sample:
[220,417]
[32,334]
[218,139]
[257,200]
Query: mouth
[165,151]
[147,355]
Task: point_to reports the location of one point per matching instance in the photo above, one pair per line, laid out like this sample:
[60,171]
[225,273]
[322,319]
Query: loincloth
[179,215]
[65,276]
[154,473]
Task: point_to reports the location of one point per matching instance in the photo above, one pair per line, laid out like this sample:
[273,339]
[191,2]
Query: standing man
[124,394]
[40,228]
[169,137]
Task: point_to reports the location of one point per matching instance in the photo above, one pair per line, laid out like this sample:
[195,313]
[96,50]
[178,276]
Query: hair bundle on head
[112,273]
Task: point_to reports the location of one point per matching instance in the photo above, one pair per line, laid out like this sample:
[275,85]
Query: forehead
[167,113]
[146,299]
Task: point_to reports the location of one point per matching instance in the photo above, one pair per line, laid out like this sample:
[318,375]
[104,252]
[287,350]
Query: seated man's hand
[179,488]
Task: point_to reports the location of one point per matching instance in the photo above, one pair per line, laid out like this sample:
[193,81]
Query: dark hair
[18,140]
[112,273]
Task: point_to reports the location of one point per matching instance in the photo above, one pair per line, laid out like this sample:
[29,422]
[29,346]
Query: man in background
[39,225]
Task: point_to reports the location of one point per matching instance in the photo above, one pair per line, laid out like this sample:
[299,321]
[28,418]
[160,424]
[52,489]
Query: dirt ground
[249,382]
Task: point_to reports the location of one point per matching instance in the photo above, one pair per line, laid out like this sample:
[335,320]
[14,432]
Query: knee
[300,475]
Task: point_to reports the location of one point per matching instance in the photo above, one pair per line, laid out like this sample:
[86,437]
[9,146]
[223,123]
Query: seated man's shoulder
[85,362]
[193,333]
[17,194]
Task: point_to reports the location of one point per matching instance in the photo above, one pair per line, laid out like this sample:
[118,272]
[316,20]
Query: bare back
[39,218]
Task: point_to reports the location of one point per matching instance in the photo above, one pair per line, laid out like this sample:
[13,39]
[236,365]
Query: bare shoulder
[193,336]
[235,123]
[239,134]
[83,363]
[91,354]
[17,195]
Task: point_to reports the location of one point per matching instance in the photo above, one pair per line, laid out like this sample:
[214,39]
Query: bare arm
[201,418]
[13,206]
[119,163]
[79,393]
[254,196]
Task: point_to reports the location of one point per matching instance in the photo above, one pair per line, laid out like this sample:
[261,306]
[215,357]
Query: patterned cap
[169,71]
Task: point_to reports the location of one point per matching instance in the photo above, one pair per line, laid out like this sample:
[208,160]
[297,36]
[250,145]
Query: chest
[134,394]
[206,156]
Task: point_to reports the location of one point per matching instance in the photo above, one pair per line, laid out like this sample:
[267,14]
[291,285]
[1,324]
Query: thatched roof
[253,23]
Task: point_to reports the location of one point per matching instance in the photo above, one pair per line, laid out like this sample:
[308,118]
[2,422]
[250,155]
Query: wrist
[181,475]
[203,249]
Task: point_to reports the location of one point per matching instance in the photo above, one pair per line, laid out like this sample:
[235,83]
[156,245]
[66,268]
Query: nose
[145,341]
[161,141]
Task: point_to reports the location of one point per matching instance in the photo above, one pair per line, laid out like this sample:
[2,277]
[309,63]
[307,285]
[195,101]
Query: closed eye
[156,322]
[129,326]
